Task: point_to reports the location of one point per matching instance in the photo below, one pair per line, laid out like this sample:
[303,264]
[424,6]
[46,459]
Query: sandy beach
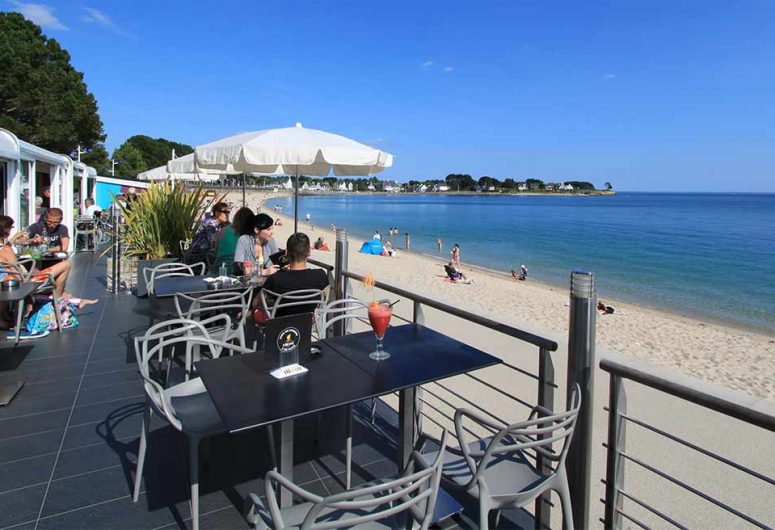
[735,358]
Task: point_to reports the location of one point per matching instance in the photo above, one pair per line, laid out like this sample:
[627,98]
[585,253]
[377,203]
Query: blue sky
[649,95]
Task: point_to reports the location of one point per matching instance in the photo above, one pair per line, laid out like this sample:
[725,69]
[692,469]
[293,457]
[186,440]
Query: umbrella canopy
[286,151]
[161,173]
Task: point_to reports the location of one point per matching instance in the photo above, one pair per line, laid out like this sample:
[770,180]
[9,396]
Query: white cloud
[40,14]
[609,76]
[427,64]
[95,16]
[448,69]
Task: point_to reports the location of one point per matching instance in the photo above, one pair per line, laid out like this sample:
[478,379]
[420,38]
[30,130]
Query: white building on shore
[26,170]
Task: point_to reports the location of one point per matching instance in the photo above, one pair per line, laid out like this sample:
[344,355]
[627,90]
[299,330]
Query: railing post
[418,317]
[340,281]
[581,371]
[614,473]
[546,400]
[115,252]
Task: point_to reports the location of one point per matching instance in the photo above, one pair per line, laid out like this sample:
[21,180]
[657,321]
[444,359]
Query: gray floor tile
[84,490]
[104,393]
[32,424]
[29,446]
[116,514]
[20,506]
[24,473]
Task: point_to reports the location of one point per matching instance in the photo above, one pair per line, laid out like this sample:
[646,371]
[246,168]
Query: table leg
[19,316]
[286,460]
[407,434]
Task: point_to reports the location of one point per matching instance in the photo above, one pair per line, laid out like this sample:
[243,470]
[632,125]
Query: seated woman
[60,270]
[226,241]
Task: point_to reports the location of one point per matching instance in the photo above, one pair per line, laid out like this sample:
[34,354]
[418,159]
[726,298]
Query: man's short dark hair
[297,247]
[56,213]
[219,207]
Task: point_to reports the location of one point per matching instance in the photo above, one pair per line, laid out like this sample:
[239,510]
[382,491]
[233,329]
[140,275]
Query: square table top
[172,285]
[246,396]
[12,295]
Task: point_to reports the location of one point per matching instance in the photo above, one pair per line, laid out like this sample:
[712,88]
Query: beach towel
[42,318]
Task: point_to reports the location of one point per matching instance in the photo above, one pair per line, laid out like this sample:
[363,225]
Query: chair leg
[567,513]
[484,513]
[19,315]
[348,458]
[55,305]
[141,452]
[193,474]
[272,446]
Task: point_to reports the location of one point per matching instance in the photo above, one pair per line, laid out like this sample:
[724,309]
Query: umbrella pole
[296,205]
[243,190]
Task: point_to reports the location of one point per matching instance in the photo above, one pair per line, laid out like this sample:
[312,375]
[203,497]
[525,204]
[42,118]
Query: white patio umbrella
[161,173]
[286,151]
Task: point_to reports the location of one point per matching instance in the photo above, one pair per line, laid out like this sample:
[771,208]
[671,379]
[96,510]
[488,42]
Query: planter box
[128,273]
[147,264]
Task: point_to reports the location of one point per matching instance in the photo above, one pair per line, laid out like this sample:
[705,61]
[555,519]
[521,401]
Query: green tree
[43,99]
[129,161]
[157,151]
[581,185]
[608,186]
[509,184]
[460,182]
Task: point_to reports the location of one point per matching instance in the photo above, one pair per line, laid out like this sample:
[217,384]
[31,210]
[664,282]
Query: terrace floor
[68,441]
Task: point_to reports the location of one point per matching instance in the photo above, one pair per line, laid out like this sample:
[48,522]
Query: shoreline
[717,352]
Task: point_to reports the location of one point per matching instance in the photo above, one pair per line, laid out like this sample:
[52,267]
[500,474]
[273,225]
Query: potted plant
[155,222]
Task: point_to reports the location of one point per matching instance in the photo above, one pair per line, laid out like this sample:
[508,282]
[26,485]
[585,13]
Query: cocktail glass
[379,317]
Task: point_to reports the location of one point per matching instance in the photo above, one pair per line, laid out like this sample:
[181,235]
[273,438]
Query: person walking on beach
[456,255]
[438,244]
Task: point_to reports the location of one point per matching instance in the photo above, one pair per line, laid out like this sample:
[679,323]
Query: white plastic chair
[185,406]
[165,309]
[233,304]
[373,506]
[23,268]
[497,471]
[299,301]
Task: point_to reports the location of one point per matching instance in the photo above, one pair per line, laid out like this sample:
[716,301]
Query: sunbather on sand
[455,275]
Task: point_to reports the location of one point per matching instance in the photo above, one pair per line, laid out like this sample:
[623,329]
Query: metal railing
[440,397]
[729,403]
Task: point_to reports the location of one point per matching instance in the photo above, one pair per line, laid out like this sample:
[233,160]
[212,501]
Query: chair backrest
[452,273]
[19,268]
[347,309]
[414,492]
[292,302]
[171,269]
[539,433]
[160,342]
[236,305]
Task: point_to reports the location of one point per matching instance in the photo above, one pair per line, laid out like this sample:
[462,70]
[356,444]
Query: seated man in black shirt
[297,276]
[52,227]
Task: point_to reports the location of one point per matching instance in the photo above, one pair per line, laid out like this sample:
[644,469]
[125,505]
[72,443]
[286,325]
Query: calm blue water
[710,255]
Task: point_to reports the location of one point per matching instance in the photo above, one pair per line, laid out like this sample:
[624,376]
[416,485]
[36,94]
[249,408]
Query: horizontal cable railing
[436,398]
[732,404]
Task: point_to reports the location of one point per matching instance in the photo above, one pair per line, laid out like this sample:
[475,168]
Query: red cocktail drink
[379,317]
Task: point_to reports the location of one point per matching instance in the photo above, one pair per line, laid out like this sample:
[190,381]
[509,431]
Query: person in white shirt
[91,208]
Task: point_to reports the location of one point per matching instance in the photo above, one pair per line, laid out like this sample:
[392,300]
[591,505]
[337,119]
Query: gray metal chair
[236,305]
[375,505]
[24,269]
[185,406]
[300,301]
[345,310]
[165,309]
[497,471]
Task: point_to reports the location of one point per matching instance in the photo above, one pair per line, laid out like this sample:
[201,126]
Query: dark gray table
[246,396]
[172,285]
[9,390]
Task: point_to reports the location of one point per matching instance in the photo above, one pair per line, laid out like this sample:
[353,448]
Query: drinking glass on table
[379,317]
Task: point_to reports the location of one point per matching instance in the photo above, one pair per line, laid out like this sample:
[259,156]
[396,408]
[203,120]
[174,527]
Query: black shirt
[39,229]
[285,281]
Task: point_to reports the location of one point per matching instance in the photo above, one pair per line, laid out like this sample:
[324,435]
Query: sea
[702,255]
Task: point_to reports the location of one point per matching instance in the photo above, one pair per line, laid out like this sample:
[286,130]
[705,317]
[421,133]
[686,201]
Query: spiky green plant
[160,217]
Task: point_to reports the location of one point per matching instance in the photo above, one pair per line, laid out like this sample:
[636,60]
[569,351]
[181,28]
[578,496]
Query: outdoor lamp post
[113,164]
